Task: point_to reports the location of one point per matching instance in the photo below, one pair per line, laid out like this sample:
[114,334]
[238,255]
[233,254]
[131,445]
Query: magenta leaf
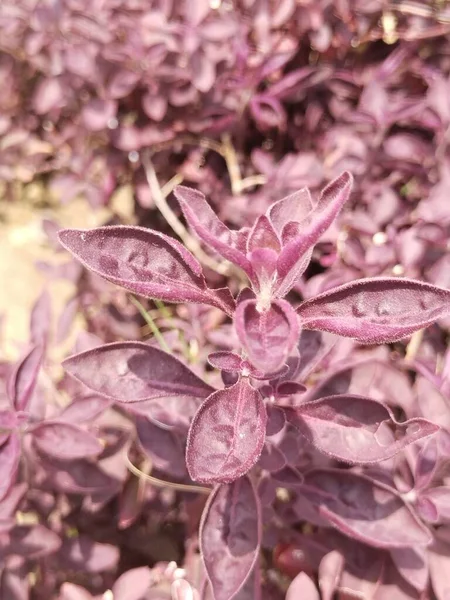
[375,311]
[208,227]
[291,260]
[133,372]
[230,536]
[227,434]
[302,588]
[145,262]
[364,509]
[268,335]
[23,379]
[65,441]
[355,429]
[9,463]
[439,498]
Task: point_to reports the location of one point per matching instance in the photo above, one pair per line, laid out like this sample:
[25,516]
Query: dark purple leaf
[412,564]
[32,542]
[290,262]
[364,509]
[377,310]
[208,227]
[164,447]
[65,441]
[230,536]
[145,262]
[225,361]
[23,380]
[133,372]
[267,334]
[227,434]
[83,554]
[355,429]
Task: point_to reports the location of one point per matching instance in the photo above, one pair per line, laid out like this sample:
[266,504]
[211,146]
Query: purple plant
[247,438]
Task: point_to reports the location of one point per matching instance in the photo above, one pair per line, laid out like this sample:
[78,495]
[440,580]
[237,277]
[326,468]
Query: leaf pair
[277,249]
[227,433]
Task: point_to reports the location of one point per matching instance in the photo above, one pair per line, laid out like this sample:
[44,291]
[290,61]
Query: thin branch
[414,344]
[231,159]
[151,323]
[172,219]
[160,483]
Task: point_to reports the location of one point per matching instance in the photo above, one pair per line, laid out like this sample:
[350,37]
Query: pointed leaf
[133,584]
[145,262]
[412,564]
[330,571]
[364,509]
[225,361]
[40,319]
[355,429]
[302,587]
[227,434]
[208,227]
[23,379]
[268,336]
[9,463]
[134,371]
[293,208]
[376,311]
[427,462]
[85,409]
[230,537]
[164,447]
[332,199]
[65,441]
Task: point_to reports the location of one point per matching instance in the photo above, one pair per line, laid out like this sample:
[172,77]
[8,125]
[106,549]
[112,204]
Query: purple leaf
[290,262]
[65,441]
[439,497]
[182,590]
[427,461]
[24,378]
[82,554]
[85,409]
[364,509]
[145,262]
[133,372]
[268,335]
[70,591]
[208,227]
[412,564]
[355,429]
[32,542]
[225,361]
[9,462]
[227,434]
[302,588]
[230,536]
[163,446]
[375,311]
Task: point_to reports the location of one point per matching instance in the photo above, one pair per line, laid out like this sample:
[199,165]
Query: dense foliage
[271,418]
